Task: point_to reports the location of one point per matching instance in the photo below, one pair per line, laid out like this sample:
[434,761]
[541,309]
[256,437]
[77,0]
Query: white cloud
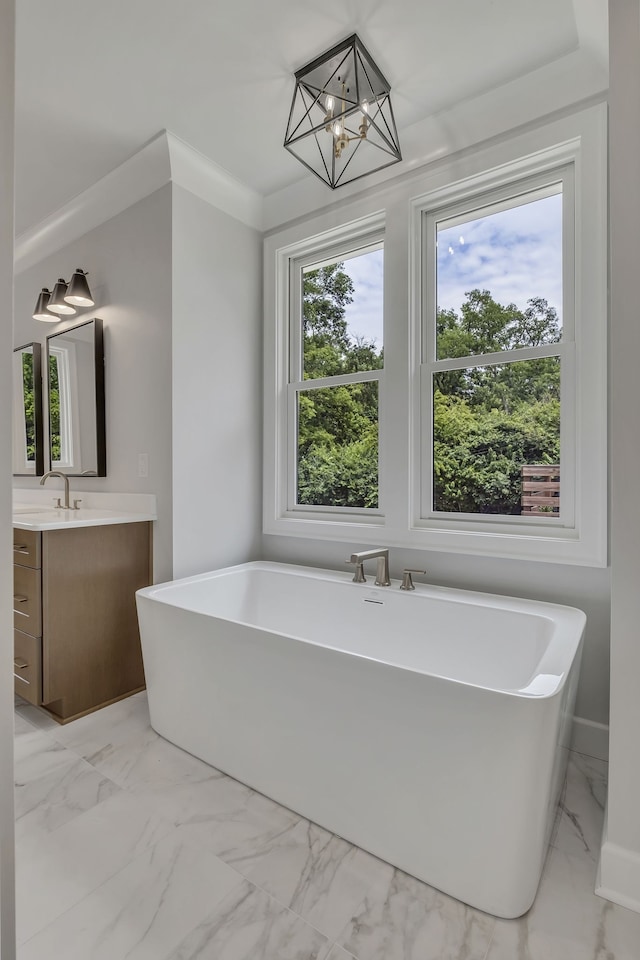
[515,254]
[364,315]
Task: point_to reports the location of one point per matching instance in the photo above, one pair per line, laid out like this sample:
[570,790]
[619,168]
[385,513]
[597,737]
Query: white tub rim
[570,620]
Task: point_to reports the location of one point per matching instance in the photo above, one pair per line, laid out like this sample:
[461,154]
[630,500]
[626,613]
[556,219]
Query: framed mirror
[27,426]
[76,403]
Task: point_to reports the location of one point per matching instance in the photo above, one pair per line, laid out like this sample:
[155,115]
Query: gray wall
[620,863]
[129,264]
[217,387]
[7,895]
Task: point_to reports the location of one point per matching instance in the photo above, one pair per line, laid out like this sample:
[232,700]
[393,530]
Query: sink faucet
[382,573]
[59,473]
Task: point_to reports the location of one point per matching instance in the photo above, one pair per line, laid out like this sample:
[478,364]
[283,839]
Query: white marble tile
[141,913]
[567,920]
[579,829]
[58,870]
[316,874]
[250,925]
[22,725]
[230,818]
[337,953]
[53,785]
[36,751]
[146,761]
[39,718]
[110,726]
[413,921]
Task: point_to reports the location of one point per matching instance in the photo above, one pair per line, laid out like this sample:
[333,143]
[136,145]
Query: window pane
[499,279]
[338,446]
[342,316]
[489,423]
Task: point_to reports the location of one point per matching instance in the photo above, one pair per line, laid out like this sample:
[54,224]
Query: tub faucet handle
[407,579]
[358,576]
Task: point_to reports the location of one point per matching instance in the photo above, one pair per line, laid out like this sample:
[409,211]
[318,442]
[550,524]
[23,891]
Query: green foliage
[29,404]
[54,409]
[489,420]
[337,426]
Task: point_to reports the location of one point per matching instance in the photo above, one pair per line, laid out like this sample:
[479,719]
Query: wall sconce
[64,298]
[341,124]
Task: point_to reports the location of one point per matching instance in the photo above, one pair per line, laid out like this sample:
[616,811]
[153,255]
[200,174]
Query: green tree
[337,426]
[491,419]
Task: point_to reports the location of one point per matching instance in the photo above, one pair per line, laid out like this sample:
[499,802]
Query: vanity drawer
[26,548]
[27,667]
[27,608]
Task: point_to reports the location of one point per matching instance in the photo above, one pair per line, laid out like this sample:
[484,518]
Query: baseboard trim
[590,738]
[618,877]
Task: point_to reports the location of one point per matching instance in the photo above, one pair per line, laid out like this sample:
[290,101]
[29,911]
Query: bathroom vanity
[77,645]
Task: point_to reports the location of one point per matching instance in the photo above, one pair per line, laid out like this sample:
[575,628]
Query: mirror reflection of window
[75,367]
[28,455]
[64,414]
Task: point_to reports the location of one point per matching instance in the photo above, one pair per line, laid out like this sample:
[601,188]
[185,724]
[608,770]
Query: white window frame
[574,143]
[340,244]
[21,463]
[69,413]
[506,197]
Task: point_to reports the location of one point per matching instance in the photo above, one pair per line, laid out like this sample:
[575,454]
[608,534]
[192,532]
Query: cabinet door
[91,645]
[27,667]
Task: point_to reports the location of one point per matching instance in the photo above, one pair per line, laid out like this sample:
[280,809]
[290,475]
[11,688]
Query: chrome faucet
[59,473]
[382,572]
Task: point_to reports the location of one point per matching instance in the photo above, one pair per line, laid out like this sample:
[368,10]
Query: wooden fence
[541,490]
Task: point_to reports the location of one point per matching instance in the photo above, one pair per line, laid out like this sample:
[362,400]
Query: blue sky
[364,315]
[515,254]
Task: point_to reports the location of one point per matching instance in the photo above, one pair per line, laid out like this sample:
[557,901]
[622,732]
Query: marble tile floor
[127,847]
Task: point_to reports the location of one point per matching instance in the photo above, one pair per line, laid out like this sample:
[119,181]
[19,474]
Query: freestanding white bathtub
[430,728]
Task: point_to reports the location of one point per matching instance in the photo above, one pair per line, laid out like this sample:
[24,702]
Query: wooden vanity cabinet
[77,645]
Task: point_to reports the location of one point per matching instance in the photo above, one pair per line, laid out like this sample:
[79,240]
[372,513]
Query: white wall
[7,896]
[620,861]
[217,387]
[129,264]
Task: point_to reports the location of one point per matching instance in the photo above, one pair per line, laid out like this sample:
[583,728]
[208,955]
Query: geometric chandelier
[341,124]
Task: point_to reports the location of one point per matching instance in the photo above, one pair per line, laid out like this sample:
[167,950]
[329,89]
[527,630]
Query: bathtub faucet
[382,573]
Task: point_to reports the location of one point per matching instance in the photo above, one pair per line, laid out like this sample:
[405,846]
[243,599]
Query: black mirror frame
[38,408]
[100,411]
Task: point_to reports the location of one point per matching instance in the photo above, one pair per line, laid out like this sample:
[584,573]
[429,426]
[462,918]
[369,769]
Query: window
[481,426]
[63,408]
[336,363]
[496,327]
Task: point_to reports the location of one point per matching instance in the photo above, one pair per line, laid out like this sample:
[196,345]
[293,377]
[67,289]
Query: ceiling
[97,80]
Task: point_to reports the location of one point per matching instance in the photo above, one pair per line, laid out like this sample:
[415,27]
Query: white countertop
[33,510]
[50,518]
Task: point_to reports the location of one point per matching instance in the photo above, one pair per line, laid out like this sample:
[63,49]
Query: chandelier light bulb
[329,102]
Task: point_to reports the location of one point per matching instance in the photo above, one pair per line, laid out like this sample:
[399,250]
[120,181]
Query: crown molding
[164,159]
[212,183]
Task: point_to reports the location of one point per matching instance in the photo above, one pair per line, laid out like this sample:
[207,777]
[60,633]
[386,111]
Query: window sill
[531,543]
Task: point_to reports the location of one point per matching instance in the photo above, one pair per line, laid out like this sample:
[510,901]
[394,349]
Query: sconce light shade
[341,124]
[79,294]
[57,304]
[41,312]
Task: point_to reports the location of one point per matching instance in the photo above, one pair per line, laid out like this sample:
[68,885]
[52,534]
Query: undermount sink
[30,508]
